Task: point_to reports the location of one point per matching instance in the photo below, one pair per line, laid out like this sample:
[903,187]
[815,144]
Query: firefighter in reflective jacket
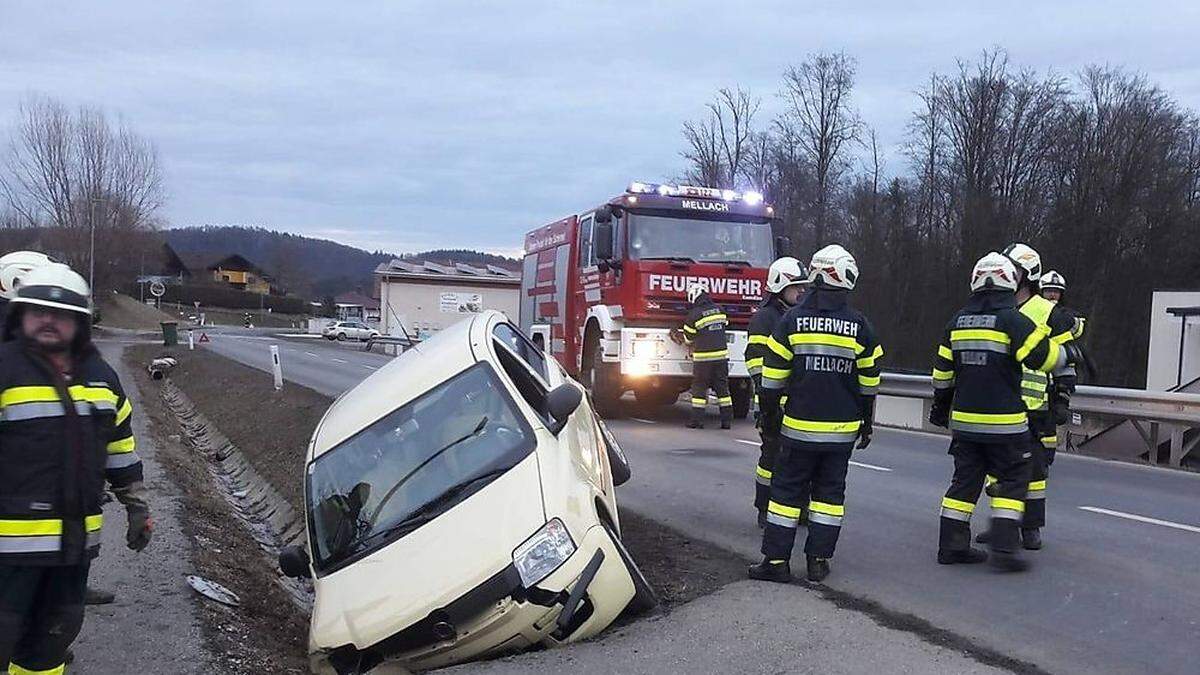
[55,460]
[786,280]
[977,394]
[1047,397]
[824,357]
[704,329]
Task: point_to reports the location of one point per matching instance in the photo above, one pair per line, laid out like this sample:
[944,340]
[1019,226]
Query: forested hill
[306,266]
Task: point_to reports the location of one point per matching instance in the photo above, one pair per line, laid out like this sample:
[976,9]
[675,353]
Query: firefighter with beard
[977,379]
[786,280]
[56,460]
[704,330]
[824,356]
[1047,396]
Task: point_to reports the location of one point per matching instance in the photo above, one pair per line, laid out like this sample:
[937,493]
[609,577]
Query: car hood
[429,568]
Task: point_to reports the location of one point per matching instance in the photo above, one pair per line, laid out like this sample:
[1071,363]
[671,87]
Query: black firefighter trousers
[1010,464]
[807,476]
[711,375]
[41,612]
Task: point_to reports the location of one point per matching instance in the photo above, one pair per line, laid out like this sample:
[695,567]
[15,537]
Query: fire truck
[601,290]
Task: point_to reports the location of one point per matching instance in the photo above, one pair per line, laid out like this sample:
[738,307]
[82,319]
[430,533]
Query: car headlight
[543,553]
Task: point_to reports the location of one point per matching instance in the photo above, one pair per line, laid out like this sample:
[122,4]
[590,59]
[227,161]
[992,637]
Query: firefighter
[1054,287]
[977,395]
[824,356]
[786,280]
[1047,397]
[13,267]
[55,460]
[704,329]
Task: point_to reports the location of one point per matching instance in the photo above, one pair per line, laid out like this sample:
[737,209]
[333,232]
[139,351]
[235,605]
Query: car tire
[341,337]
[644,598]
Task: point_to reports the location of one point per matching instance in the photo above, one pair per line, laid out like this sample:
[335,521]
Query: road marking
[754,443]
[369,367]
[638,419]
[312,355]
[870,466]
[1142,519]
[338,361]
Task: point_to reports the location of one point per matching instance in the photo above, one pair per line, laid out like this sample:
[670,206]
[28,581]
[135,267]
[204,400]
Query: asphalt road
[1115,590]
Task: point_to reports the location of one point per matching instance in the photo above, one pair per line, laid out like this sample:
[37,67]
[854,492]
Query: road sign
[203,338]
[157,289]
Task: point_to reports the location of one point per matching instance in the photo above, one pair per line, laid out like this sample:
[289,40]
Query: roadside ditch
[236,447]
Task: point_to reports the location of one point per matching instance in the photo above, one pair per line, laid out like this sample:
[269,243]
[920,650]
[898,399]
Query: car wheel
[644,597]
[341,337]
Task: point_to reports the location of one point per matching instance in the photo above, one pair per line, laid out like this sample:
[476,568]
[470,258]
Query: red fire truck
[601,290]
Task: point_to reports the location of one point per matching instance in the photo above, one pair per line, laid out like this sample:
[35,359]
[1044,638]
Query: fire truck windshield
[666,238]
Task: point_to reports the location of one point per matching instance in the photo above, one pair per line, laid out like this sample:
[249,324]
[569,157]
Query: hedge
[226,298]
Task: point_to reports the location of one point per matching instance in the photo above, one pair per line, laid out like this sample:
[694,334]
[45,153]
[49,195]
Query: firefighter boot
[971,556]
[726,417]
[778,571]
[983,537]
[818,569]
[697,418]
[1031,538]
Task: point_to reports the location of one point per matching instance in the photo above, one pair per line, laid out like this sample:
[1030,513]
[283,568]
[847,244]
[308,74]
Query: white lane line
[870,466]
[638,419]
[312,355]
[1142,519]
[754,443]
[363,365]
[338,361]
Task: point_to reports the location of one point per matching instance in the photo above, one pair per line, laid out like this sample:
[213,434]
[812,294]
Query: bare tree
[719,145]
[820,117]
[72,172]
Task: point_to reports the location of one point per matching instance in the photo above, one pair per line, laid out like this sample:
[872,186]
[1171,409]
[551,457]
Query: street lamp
[92,249]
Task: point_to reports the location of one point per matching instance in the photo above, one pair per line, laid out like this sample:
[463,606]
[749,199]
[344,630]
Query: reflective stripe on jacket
[704,329]
[55,459]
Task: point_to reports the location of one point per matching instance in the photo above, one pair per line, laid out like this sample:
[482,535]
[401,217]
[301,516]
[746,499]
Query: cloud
[429,124]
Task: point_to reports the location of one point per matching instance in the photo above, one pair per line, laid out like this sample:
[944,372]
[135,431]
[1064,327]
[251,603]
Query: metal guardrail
[1155,408]
[387,340]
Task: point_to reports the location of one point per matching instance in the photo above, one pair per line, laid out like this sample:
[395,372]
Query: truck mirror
[604,214]
[602,240]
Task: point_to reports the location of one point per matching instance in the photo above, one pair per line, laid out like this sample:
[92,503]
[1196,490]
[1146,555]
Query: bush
[228,298]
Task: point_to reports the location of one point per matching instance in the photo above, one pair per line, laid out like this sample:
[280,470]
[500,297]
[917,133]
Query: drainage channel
[265,514]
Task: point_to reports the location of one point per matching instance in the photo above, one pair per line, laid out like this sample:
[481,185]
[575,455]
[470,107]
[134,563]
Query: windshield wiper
[430,509]
[483,422]
[747,263]
[677,258]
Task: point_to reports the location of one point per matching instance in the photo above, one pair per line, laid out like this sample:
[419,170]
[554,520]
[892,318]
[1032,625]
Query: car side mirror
[602,240]
[294,563]
[560,403]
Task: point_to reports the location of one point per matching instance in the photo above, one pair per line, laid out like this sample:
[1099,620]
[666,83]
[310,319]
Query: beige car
[460,504]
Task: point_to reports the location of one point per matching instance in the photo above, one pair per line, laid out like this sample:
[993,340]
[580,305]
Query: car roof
[416,371]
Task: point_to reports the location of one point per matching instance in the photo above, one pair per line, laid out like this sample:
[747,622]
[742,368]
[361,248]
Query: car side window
[529,386]
[523,349]
[585,242]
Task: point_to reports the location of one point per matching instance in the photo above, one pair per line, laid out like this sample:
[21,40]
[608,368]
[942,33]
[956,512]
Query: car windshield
[412,465]
[663,237]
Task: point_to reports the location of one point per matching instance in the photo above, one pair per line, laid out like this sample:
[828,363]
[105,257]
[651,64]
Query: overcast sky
[412,125]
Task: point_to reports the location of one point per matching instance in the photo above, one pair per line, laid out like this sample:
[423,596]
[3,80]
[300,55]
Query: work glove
[137,508]
[939,412]
[864,434]
[676,336]
[141,529]
[1060,409]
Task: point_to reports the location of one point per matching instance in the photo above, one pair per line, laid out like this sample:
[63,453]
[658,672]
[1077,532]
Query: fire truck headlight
[728,195]
[752,198]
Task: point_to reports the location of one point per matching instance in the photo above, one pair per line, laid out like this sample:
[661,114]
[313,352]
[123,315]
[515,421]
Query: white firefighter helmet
[15,265]
[994,272]
[694,291]
[784,272]
[56,286]
[834,267]
[1052,279]
[1026,259]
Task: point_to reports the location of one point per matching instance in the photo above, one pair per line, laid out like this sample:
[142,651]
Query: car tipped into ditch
[460,505]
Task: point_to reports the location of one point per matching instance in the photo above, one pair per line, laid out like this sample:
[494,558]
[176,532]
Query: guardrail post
[1153,455]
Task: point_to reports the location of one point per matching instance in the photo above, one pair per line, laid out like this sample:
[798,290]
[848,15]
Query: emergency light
[751,197]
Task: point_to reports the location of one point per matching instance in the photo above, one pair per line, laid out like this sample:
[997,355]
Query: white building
[1174,358]
[418,297]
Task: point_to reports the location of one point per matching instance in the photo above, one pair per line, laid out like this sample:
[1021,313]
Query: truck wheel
[644,597]
[604,382]
[742,394]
